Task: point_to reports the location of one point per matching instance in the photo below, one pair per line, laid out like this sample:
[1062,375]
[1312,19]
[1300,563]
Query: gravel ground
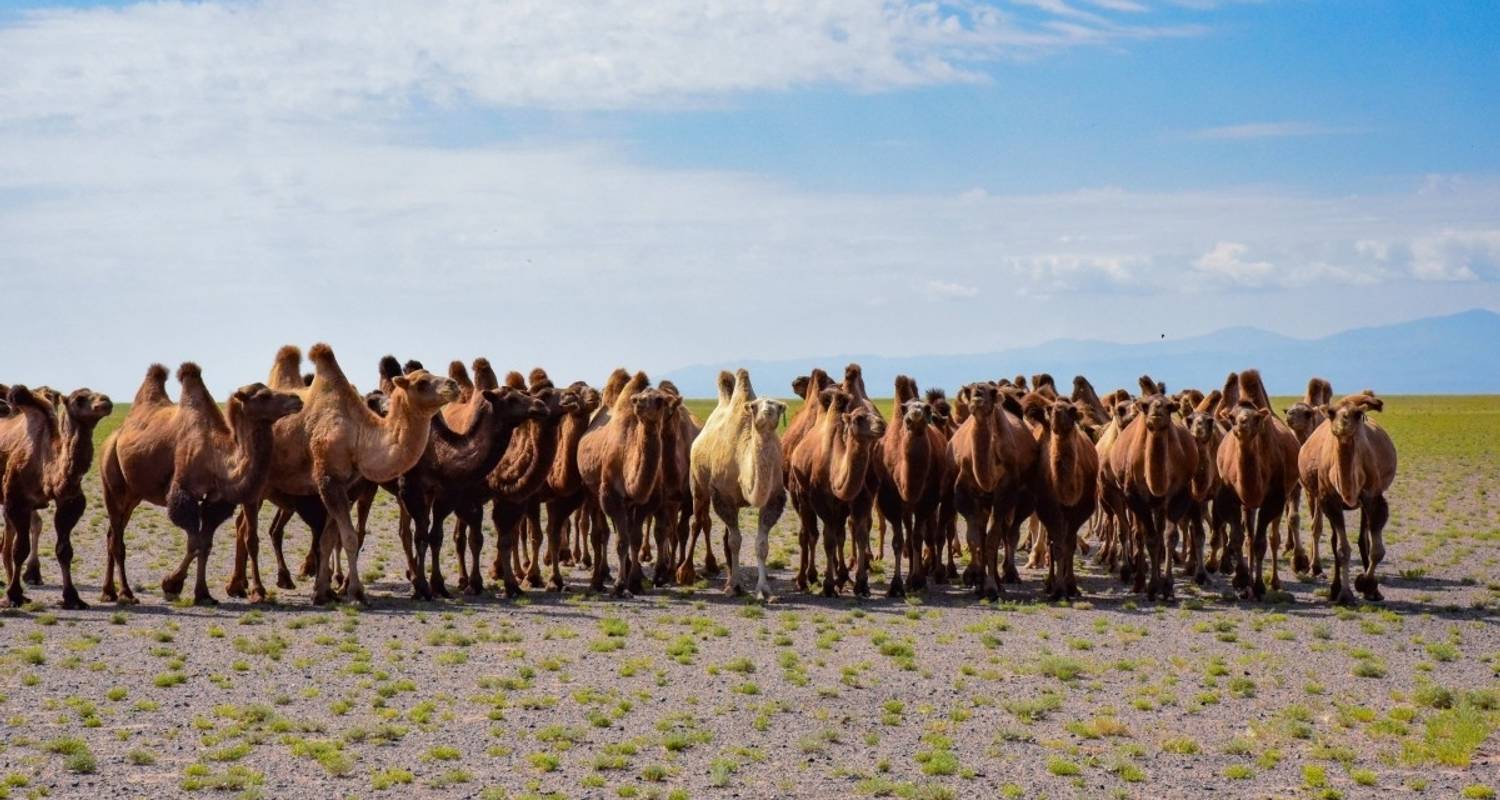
[686,693]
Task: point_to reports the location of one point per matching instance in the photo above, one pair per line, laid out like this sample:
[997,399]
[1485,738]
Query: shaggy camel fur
[911,466]
[1151,465]
[520,475]
[620,460]
[736,463]
[451,474]
[1257,461]
[198,462]
[334,442]
[1067,471]
[44,453]
[1350,462]
[831,475]
[1304,417]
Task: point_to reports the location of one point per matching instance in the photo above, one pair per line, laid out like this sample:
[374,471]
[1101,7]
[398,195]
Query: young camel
[831,472]
[1258,462]
[736,463]
[1152,465]
[619,458]
[325,450]
[1068,469]
[1349,462]
[911,467]
[196,461]
[44,453]
[1304,417]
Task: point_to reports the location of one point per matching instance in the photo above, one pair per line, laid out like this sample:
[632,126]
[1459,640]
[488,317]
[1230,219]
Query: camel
[452,472]
[45,450]
[830,470]
[1304,417]
[1205,484]
[944,418]
[563,492]
[1112,512]
[1350,462]
[1258,463]
[334,442]
[911,466]
[1067,471]
[810,389]
[512,484]
[1093,414]
[735,463]
[620,461]
[191,458]
[674,506]
[994,457]
[1151,466]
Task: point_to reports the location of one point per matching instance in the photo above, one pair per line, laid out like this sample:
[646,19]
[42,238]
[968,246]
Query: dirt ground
[687,693]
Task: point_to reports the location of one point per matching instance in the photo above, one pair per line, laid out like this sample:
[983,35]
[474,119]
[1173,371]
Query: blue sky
[665,182]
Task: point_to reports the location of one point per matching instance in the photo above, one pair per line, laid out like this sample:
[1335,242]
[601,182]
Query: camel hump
[325,365]
[1149,386]
[515,380]
[484,375]
[1253,389]
[286,370]
[1210,402]
[906,390]
[1319,392]
[412,365]
[614,385]
[726,386]
[539,379]
[154,387]
[19,396]
[189,371]
[390,368]
[460,374]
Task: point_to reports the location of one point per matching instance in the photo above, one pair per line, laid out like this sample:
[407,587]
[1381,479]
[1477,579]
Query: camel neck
[253,442]
[643,460]
[73,452]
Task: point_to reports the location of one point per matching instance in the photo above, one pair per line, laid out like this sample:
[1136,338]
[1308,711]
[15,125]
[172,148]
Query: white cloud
[1268,130]
[947,290]
[1227,260]
[1456,255]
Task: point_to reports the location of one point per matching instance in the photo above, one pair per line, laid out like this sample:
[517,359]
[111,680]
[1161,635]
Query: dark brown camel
[911,468]
[1067,471]
[831,472]
[1152,464]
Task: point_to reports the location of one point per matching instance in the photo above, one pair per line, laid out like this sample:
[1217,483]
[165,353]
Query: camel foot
[918,583]
[1300,562]
[686,576]
[495,572]
[236,588]
[711,566]
[72,602]
[971,577]
[284,580]
[33,575]
[1275,583]
[323,598]
[1201,577]
[171,588]
[732,589]
[512,590]
[1226,566]
[1317,569]
[564,556]
[107,594]
[14,601]
[205,600]
[588,560]
[473,587]
[1010,574]
[555,584]
[896,589]
[862,588]
[1367,587]
[828,588]
[1258,589]
[127,598]
[258,596]
[621,591]
[534,579]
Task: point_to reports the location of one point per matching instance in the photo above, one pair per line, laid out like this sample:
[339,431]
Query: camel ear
[1263,412]
[401,382]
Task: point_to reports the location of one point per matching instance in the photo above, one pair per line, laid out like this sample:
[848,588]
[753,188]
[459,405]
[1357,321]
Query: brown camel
[1304,417]
[810,389]
[196,461]
[1350,462]
[512,484]
[1205,485]
[563,492]
[831,472]
[911,467]
[1113,516]
[1067,471]
[44,453]
[1257,461]
[620,459]
[674,513]
[735,463]
[325,451]
[1151,465]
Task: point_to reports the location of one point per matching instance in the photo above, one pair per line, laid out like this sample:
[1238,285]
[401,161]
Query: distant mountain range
[1457,354]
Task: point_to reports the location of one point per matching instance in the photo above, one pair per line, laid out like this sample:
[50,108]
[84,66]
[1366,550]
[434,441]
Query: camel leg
[508,519]
[1315,535]
[559,512]
[434,534]
[338,530]
[1037,558]
[859,531]
[246,550]
[1256,524]
[276,531]
[619,517]
[17,547]
[975,524]
[686,575]
[64,519]
[598,540]
[32,575]
[769,515]
[1301,564]
[730,515]
[993,534]
[880,536]
[461,546]
[1196,534]
[184,512]
[1373,515]
[534,538]
[897,587]
[663,530]
[833,525]
[1275,553]
[414,526]
[210,516]
[1339,589]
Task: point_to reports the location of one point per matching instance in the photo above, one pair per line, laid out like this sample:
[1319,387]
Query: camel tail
[325,365]
[286,370]
[484,375]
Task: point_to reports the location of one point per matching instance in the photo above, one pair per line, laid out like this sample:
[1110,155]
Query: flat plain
[687,693]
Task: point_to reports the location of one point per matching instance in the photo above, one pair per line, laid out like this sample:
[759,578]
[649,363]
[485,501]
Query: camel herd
[1200,482]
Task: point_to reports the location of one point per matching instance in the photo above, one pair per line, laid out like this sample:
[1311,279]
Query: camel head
[916,415]
[766,414]
[1158,410]
[378,401]
[261,403]
[1302,419]
[861,425]
[589,398]
[1346,418]
[424,391]
[652,406]
[1063,417]
[558,402]
[982,398]
[835,399]
[88,407]
[942,411]
[1246,421]
[799,385]
[514,407]
[1202,426]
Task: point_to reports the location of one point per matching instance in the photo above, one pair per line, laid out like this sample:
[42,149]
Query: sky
[656,183]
